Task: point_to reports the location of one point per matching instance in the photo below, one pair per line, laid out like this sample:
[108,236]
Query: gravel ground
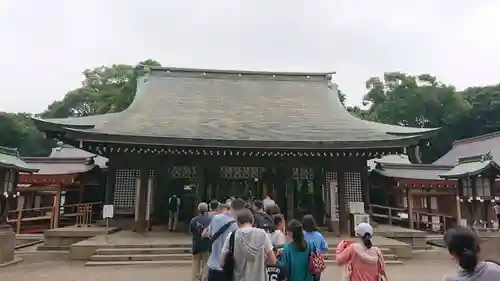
[55,268]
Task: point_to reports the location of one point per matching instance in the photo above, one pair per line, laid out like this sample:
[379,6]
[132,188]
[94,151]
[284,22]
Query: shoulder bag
[228,268]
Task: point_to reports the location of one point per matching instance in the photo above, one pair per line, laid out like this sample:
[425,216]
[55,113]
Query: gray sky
[45,45]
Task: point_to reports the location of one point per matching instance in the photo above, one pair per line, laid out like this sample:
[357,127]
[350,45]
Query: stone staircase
[175,255]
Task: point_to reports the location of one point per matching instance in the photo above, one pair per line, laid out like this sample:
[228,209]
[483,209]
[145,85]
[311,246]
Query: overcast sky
[45,45]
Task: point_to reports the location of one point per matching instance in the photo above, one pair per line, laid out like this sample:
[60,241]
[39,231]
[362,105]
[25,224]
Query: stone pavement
[41,268]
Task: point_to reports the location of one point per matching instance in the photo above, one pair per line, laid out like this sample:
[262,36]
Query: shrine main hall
[203,134]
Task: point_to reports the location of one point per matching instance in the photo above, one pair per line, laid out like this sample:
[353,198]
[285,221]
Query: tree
[417,101]
[18,131]
[104,89]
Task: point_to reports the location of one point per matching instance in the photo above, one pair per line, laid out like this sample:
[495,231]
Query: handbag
[316,261]
[228,268]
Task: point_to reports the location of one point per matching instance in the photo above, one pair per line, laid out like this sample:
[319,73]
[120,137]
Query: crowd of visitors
[242,241]
[250,241]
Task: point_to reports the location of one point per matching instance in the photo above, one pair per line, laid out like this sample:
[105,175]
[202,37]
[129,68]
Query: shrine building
[205,134]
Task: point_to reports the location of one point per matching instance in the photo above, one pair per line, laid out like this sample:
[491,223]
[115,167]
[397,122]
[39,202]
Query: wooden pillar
[343,205]
[81,190]
[56,208]
[474,201]
[141,201]
[149,203]
[365,185]
[290,192]
[110,185]
[409,197]
[200,187]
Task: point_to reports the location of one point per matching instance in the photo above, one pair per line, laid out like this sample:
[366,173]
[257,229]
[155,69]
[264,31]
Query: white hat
[364,228]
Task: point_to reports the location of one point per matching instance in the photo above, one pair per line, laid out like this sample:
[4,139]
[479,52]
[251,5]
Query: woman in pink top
[366,262]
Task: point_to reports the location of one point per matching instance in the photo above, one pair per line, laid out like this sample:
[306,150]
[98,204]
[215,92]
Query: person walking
[253,249]
[268,202]
[214,205]
[277,232]
[311,234]
[174,204]
[262,219]
[463,246]
[296,254]
[221,225]
[314,237]
[200,244]
[366,261]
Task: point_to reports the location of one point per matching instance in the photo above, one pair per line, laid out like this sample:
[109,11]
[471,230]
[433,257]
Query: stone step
[184,263]
[52,248]
[174,250]
[138,251]
[176,257]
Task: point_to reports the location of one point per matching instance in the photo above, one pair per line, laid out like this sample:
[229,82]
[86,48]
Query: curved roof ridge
[413,166]
[234,71]
[476,138]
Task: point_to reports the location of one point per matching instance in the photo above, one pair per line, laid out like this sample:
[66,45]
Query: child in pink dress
[365,262]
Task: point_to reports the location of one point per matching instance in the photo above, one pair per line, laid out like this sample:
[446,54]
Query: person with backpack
[200,244]
[261,219]
[250,250]
[296,254]
[220,227]
[174,204]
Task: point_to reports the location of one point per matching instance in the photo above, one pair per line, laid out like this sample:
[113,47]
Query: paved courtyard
[42,268]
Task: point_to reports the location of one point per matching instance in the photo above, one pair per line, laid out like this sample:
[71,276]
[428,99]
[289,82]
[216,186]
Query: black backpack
[264,221]
[173,205]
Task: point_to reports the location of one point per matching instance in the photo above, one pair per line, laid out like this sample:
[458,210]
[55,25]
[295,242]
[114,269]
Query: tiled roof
[9,158]
[472,165]
[471,147]
[412,171]
[61,166]
[236,109]
[68,151]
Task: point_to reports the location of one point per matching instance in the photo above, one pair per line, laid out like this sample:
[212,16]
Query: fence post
[390,215]
[19,219]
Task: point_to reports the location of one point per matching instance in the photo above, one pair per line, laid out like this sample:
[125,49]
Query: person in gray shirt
[221,225]
[463,246]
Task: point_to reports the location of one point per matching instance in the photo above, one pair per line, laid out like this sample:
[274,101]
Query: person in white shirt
[268,202]
[277,233]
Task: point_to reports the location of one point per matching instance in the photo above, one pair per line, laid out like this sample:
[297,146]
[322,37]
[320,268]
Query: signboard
[334,201]
[357,207]
[108,211]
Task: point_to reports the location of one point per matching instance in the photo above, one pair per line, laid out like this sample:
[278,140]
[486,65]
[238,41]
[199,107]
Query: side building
[204,134]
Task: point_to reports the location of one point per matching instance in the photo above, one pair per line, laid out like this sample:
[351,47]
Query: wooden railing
[81,215]
[421,220]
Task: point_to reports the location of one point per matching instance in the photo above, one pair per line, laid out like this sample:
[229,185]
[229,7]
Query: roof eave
[85,135]
[19,168]
[490,165]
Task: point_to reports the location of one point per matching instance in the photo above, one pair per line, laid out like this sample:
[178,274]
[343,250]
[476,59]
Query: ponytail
[464,245]
[367,240]
[295,227]
[467,260]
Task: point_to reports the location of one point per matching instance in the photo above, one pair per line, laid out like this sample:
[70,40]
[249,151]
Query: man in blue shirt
[201,245]
[221,225]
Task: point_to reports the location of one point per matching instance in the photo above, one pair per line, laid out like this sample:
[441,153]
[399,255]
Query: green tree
[417,101]
[104,89]
[18,131]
